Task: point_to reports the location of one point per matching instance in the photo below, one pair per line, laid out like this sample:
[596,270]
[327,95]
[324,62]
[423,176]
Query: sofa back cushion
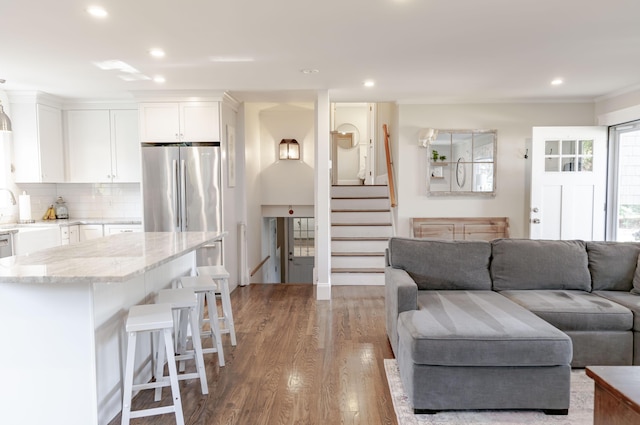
[612,265]
[539,264]
[443,265]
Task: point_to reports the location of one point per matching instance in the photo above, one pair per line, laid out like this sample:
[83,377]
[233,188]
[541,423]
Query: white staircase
[360,230]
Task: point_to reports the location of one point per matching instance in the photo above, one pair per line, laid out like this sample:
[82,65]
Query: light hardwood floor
[297,361]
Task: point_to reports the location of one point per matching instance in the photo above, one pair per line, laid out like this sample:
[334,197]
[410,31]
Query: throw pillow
[539,264]
[443,265]
[636,279]
[612,265]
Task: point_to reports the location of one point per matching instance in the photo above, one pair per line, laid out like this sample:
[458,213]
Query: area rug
[580,411]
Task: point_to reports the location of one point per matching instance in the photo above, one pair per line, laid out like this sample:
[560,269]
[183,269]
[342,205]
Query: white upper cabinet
[102,146]
[180,122]
[125,147]
[37,141]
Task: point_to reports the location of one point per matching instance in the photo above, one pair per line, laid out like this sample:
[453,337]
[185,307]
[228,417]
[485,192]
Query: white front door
[568,183]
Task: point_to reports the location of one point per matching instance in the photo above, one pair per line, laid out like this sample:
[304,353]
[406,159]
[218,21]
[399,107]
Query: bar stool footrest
[152,412]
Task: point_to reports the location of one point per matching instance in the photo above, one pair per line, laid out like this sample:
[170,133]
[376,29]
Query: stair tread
[361,224]
[360,238]
[360,210]
[359,185]
[356,270]
[357,254]
[359,197]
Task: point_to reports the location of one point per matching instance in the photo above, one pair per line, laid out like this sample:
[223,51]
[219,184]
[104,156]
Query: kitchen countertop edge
[156,260]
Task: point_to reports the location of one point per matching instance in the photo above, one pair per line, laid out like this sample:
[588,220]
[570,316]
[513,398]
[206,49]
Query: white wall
[231,215]
[271,184]
[279,187]
[253,185]
[513,123]
[618,109]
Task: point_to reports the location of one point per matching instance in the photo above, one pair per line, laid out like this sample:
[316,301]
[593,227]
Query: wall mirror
[462,162]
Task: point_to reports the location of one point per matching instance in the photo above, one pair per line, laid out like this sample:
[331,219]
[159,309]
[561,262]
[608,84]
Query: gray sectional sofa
[498,325]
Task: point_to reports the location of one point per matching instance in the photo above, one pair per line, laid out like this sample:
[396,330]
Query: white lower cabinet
[90,231]
[69,235]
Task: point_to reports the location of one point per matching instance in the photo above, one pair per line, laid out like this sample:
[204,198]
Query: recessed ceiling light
[97,11]
[557,82]
[369,83]
[157,53]
[159,79]
[309,71]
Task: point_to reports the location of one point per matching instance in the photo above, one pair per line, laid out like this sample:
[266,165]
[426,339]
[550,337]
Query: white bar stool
[150,318]
[184,301]
[220,274]
[205,287]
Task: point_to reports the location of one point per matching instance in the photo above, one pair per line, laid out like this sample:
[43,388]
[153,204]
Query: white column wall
[322,191]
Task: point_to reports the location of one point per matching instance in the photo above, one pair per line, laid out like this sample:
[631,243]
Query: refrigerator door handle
[183,195]
[175,192]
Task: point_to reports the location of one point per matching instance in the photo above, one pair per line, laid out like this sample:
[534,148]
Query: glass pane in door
[303,237]
[628,187]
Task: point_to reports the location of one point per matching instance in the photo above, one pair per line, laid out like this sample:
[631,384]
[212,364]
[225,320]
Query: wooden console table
[617,394]
[460,228]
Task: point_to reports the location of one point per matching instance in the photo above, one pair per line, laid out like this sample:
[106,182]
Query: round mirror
[348,136]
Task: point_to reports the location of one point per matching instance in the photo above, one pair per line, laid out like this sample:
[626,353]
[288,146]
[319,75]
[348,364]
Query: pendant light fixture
[5,122]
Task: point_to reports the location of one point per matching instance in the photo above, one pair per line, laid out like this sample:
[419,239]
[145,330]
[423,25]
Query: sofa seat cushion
[612,265]
[574,310]
[479,328]
[539,264]
[443,265]
[626,299]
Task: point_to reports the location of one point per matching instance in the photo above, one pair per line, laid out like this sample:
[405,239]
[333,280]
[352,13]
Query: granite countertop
[15,227]
[113,258]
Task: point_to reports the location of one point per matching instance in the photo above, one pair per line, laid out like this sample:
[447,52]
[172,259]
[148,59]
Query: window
[623,204]
[303,237]
[568,155]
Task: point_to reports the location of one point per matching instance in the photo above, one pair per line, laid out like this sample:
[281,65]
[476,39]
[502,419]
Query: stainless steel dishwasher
[6,245]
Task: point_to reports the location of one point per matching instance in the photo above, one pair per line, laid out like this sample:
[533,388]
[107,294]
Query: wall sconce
[427,136]
[289,149]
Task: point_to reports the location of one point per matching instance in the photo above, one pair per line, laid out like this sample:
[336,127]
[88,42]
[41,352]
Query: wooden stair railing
[392,189]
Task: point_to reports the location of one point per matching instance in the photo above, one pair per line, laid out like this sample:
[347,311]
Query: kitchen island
[62,314]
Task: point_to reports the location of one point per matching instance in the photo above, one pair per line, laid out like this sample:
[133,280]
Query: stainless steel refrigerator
[182,192]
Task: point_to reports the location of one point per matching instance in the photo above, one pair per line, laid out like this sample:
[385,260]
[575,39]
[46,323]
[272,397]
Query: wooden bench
[460,228]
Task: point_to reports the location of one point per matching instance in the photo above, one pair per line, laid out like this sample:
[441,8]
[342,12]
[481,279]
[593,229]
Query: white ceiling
[415,50]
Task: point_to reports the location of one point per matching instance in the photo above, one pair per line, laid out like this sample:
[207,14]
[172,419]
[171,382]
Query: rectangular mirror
[462,162]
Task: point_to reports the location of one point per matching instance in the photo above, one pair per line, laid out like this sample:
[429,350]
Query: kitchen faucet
[13,197]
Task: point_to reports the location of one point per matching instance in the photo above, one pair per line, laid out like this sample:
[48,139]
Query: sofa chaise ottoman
[479,350]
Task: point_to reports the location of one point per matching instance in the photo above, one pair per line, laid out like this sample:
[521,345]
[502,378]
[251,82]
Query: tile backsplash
[86,200]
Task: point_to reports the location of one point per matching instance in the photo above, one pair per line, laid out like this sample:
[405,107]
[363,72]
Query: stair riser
[361,231]
[359,191]
[360,217]
[357,262]
[344,279]
[359,246]
[360,204]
